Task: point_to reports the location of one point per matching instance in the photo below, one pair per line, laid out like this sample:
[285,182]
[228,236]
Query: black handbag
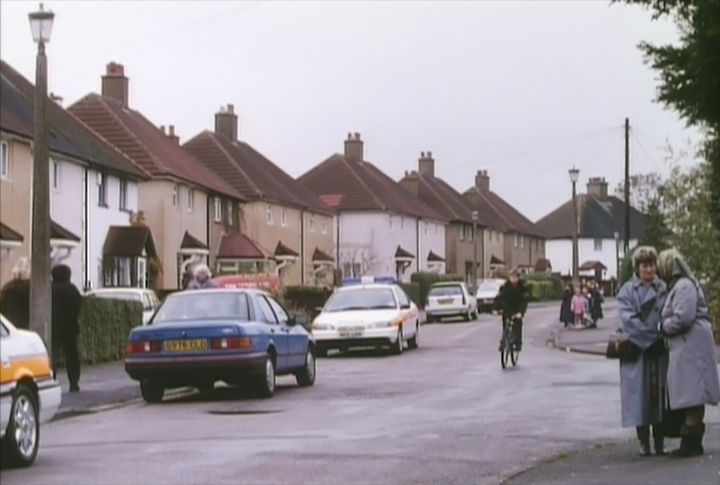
[620,347]
[672,423]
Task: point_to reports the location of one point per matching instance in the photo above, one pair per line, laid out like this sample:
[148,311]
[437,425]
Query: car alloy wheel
[414,341]
[306,377]
[399,344]
[20,445]
[266,382]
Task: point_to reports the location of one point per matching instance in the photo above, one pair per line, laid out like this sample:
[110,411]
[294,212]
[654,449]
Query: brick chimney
[482,180]
[426,164]
[597,187]
[171,134]
[411,183]
[226,123]
[354,147]
[115,84]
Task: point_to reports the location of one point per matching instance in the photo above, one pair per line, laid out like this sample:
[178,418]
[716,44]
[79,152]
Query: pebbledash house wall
[16,201]
[559,252]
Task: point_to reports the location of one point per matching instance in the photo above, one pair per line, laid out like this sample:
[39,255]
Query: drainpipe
[337,242]
[86,230]
[417,244]
[302,247]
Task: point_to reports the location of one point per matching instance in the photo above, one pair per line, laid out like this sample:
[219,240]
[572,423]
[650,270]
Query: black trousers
[69,348]
[517,332]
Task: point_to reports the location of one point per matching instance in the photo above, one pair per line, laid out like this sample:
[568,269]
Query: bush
[413,291]
[545,287]
[305,299]
[712,293]
[426,280]
[104,328]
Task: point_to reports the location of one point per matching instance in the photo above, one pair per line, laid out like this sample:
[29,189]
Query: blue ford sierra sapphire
[238,336]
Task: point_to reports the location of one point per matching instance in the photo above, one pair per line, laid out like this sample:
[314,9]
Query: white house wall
[66,209]
[432,238]
[559,252]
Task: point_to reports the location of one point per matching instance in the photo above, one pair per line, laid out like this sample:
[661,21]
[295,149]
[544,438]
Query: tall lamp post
[574,175]
[41,23]
[475,217]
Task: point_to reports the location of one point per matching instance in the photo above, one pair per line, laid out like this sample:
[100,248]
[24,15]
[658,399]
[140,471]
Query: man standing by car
[66,304]
[512,301]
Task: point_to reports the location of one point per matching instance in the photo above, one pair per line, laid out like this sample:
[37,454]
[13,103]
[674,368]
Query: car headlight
[384,324]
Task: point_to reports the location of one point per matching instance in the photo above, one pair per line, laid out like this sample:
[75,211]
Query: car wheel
[414,342]
[321,352]
[306,377]
[152,391]
[399,346]
[266,382]
[21,442]
[429,318]
[467,316]
[476,315]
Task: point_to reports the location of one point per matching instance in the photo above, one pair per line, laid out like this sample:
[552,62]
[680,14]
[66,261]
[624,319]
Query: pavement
[107,386]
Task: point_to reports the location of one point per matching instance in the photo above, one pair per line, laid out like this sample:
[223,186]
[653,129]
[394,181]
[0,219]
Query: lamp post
[574,175]
[475,217]
[616,235]
[41,23]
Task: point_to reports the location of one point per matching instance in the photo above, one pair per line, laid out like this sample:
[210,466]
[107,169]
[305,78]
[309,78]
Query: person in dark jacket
[15,295]
[566,314]
[512,301]
[596,301]
[66,304]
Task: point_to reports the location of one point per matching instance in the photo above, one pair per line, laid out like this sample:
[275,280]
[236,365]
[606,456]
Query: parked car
[29,393]
[239,336]
[145,296]
[487,293]
[450,299]
[367,314]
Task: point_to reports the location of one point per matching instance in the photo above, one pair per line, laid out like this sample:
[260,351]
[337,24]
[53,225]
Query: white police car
[367,312]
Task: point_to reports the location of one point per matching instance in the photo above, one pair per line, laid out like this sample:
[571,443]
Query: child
[579,307]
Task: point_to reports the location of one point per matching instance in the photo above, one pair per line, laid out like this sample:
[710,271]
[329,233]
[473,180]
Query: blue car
[238,336]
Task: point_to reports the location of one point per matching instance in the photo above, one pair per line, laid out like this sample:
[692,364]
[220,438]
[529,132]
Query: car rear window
[490,286]
[203,305]
[445,291]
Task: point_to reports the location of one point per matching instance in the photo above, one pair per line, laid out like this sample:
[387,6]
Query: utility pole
[475,217]
[626,245]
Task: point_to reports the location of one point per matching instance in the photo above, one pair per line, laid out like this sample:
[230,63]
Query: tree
[643,188]
[690,76]
[657,233]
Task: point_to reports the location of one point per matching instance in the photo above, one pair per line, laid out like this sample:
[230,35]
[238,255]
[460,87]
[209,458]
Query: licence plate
[185,345]
[350,333]
[446,301]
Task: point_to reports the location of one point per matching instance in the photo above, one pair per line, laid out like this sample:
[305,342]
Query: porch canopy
[129,241]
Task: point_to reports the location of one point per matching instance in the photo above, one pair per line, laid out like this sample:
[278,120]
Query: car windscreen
[119,295]
[203,305]
[445,291]
[361,299]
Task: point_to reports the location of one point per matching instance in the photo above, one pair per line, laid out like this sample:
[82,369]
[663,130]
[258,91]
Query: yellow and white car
[29,393]
[367,314]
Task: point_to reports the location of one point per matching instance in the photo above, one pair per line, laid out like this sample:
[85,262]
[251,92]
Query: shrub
[426,280]
[544,286]
[104,328]
[305,299]
[413,291]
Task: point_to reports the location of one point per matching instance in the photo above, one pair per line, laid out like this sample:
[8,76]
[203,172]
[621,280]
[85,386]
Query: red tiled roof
[144,143]
[67,134]
[319,255]
[282,250]
[239,246]
[191,242]
[363,187]
[496,260]
[249,172]
[590,265]
[129,241]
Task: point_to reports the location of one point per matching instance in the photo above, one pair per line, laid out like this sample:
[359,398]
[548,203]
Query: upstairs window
[312,223]
[598,244]
[391,223]
[4,160]
[56,174]
[175,194]
[123,203]
[230,213]
[269,215]
[217,205]
[102,189]
[283,217]
[191,200]
[324,227]
[402,223]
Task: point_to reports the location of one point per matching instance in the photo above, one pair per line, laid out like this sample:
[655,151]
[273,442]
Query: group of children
[584,308]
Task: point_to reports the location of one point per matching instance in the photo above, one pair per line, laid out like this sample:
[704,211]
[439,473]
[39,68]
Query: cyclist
[512,301]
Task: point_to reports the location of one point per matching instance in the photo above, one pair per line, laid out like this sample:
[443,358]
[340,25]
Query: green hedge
[413,291]
[305,299]
[426,280]
[544,286]
[104,328]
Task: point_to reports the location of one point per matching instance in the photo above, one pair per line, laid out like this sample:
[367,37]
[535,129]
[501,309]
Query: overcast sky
[525,90]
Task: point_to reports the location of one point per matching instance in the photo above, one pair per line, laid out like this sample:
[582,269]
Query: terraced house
[93,191]
[382,229]
[285,229]
[513,241]
[464,235]
[184,204]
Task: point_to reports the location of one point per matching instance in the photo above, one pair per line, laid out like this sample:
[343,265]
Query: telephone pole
[626,245]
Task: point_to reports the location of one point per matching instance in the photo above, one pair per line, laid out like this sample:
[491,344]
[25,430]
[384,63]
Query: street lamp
[574,175]
[41,23]
[475,217]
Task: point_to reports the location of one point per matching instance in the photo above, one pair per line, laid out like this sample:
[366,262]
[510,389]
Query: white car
[149,300]
[29,393]
[487,292]
[367,315]
[450,299]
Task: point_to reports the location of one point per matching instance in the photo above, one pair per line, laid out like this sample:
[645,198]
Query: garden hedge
[104,328]
[305,299]
[426,280]
[544,286]
[413,291]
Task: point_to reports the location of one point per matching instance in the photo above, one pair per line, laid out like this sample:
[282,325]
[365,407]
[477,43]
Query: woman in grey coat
[642,381]
[692,373]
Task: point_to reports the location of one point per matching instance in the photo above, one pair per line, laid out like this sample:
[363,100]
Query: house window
[437,229]
[522,240]
[123,195]
[191,200]
[462,232]
[402,223]
[426,227]
[230,213]
[217,205]
[598,244]
[312,223]
[283,217]
[269,215]
[4,160]
[102,189]
[56,174]
[517,240]
[471,233]
[324,227]
[175,191]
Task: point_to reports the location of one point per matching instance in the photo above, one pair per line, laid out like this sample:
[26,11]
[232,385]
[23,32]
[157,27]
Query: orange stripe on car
[33,366]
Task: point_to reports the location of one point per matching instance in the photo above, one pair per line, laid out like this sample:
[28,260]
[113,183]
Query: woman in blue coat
[643,380]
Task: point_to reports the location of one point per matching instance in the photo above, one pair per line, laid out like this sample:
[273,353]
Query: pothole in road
[243,412]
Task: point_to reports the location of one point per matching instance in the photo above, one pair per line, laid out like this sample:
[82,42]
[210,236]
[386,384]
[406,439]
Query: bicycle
[507,343]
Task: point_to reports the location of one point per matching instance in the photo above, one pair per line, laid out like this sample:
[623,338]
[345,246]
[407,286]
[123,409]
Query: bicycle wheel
[514,355]
[504,350]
